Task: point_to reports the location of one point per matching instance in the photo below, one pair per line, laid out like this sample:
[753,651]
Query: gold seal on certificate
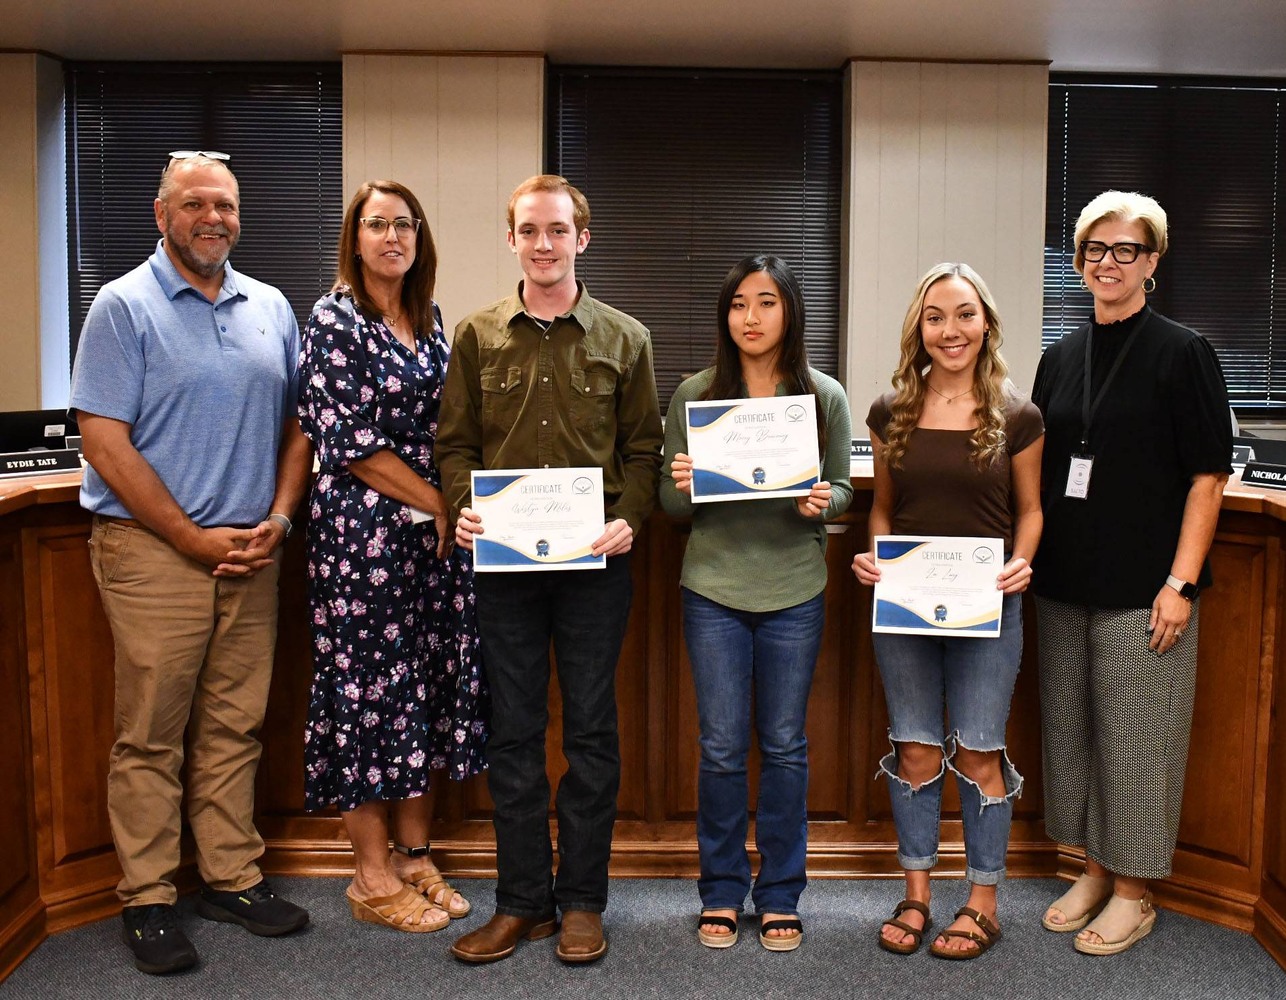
[938,585]
[749,449]
[537,519]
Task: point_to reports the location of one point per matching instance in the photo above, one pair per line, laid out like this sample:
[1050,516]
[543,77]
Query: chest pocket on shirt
[502,396]
[593,403]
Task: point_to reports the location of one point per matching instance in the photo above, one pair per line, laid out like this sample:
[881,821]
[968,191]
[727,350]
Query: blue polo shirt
[204,386]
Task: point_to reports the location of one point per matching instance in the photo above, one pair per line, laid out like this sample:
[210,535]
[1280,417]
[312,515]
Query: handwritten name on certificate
[537,519]
[938,585]
[749,449]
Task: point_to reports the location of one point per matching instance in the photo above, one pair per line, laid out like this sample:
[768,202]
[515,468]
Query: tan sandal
[917,934]
[402,911]
[1115,918]
[983,941]
[430,884]
[1079,904]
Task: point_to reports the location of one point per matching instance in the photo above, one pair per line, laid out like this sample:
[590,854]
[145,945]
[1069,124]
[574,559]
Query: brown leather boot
[582,937]
[499,936]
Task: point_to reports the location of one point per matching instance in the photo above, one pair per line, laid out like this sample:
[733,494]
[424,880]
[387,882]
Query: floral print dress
[397,685]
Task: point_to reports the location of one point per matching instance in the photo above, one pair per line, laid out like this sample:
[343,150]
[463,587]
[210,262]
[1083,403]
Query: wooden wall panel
[70,661]
[21,908]
[1231,865]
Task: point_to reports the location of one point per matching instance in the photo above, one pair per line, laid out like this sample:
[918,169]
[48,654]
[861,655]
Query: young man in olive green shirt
[550,377]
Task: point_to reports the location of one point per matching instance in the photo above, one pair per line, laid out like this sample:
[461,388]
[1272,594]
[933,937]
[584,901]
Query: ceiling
[1235,37]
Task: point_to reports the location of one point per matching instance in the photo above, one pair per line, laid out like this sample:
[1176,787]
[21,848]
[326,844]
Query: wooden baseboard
[21,937]
[1270,931]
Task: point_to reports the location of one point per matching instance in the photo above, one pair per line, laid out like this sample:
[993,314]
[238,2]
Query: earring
[1084,286]
[1145,284]
[986,335]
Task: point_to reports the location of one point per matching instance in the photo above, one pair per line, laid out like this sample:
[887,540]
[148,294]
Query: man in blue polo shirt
[185,387]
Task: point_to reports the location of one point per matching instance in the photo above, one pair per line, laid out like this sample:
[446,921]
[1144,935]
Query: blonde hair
[1122,206]
[991,387]
[552,184]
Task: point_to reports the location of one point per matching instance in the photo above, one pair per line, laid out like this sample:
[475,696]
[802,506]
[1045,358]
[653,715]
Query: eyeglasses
[402,226]
[209,154]
[1122,253]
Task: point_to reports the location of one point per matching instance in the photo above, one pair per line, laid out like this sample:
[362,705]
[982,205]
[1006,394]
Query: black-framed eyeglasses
[1122,253]
[402,226]
[209,154]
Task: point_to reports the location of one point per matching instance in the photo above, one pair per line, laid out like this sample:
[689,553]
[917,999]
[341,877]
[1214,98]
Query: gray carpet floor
[654,954]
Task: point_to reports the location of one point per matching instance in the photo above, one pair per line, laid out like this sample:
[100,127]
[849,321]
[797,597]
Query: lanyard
[1087,409]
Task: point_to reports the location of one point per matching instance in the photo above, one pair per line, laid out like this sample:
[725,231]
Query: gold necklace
[944,395]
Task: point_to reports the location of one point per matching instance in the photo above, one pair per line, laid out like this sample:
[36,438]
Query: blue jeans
[974,679]
[770,655]
[584,612]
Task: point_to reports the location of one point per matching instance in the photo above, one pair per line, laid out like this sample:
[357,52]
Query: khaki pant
[193,652]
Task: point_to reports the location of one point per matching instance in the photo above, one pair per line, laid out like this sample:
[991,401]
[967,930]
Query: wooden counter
[58,868]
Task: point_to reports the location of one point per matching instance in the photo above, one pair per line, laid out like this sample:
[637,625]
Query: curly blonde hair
[991,386]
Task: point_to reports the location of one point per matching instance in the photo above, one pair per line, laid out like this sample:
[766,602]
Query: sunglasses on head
[209,154]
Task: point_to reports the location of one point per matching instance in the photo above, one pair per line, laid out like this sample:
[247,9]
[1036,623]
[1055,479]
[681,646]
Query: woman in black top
[1132,480]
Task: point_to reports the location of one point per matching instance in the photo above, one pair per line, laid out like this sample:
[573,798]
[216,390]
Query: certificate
[749,449]
[537,519]
[940,585]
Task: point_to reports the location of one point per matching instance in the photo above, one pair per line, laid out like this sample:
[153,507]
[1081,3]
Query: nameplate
[1242,454]
[862,450]
[35,463]
[1263,474]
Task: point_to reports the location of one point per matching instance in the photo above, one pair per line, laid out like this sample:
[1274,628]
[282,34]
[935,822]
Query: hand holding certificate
[942,585]
[538,519]
[745,449]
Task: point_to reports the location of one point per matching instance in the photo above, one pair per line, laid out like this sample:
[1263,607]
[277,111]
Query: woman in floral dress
[398,687]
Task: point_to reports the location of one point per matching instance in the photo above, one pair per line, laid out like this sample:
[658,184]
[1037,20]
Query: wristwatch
[1186,590]
[283,520]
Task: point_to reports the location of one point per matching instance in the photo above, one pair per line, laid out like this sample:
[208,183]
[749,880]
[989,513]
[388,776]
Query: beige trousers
[193,653]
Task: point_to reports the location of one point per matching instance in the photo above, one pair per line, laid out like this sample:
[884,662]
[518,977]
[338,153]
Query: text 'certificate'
[537,519]
[941,585]
[747,449]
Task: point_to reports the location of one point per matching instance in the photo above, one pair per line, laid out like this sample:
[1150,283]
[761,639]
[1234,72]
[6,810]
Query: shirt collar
[582,312]
[172,283]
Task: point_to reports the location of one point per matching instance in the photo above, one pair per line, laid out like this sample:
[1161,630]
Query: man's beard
[205,267]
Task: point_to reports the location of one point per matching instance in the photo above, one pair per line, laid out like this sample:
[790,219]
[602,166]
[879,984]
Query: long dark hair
[417,285]
[792,355]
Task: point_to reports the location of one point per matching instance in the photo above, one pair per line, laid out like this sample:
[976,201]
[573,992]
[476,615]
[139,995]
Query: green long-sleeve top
[758,555]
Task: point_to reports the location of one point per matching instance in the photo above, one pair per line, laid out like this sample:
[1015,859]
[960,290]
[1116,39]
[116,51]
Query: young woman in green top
[753,579]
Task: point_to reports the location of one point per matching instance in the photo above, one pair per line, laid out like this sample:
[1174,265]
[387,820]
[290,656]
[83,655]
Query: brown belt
[128,522]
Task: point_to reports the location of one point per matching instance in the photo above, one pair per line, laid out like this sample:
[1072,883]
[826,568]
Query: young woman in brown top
[957,452]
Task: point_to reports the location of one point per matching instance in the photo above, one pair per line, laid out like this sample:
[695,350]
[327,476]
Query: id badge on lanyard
[1078,477]
[1081,465]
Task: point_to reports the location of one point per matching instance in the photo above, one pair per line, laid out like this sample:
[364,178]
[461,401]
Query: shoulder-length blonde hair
[990,374]
[417,285]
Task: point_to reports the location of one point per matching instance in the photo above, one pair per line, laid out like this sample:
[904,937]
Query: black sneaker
[258,909]
[153,934]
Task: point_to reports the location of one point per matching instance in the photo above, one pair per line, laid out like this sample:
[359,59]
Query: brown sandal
[430,884]
[403,911]
[989,936]
[917,934]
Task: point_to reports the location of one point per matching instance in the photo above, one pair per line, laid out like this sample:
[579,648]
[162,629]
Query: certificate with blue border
[938,585]
[751,449]
[537,520]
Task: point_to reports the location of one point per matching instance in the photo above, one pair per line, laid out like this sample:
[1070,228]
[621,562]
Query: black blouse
[1163,420]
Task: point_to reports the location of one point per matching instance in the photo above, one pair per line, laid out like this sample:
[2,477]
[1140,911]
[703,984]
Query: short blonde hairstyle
[1122,206]
[552,184]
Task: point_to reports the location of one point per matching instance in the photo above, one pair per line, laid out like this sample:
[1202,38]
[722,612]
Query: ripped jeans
[974,680]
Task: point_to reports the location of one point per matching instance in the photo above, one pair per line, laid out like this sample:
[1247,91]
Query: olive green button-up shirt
[581,393]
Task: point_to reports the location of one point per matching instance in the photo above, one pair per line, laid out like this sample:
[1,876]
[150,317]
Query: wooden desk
[58,868]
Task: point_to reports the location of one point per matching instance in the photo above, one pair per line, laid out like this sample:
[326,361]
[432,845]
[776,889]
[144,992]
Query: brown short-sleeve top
[940,491]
